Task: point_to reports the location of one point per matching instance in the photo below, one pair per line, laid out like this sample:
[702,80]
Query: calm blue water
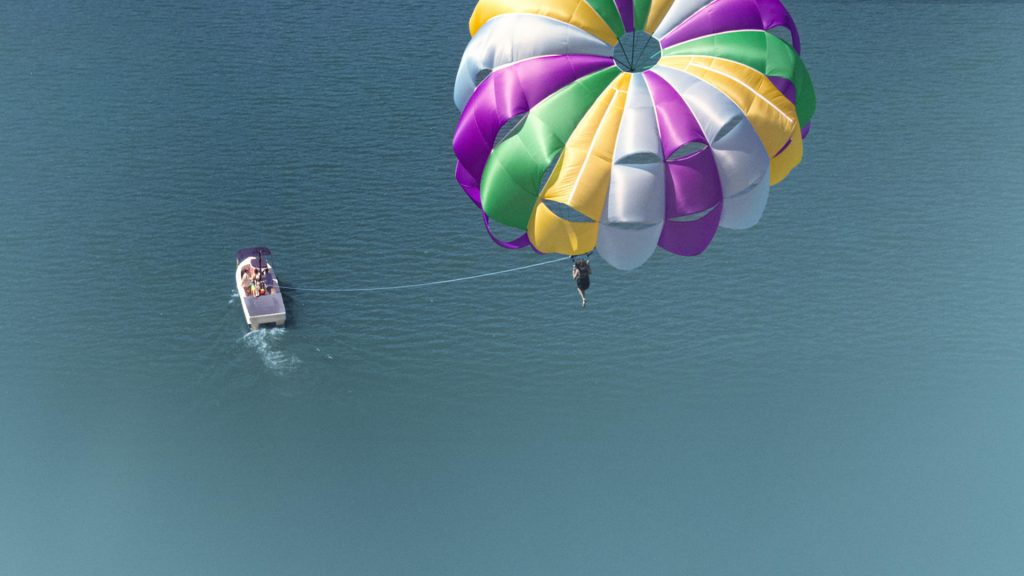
[837,391]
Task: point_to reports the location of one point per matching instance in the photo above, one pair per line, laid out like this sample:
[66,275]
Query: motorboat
[258,288]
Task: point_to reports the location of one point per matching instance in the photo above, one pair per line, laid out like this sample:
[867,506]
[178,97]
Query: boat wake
[264,341]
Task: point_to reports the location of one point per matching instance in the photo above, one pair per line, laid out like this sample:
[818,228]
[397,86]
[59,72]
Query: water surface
[836,391]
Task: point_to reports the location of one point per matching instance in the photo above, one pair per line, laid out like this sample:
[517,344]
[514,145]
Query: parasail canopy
[628,125]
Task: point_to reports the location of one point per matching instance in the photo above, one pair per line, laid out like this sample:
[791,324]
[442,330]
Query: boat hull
[267,309]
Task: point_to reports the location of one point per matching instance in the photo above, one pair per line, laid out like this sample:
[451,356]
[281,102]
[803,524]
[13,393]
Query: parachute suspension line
[423,284]
[622,65]
[646,44]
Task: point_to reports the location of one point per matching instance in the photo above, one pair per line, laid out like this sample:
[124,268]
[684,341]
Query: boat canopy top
[255,252]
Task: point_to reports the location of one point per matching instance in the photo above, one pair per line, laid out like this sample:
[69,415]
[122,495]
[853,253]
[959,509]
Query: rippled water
[836,391]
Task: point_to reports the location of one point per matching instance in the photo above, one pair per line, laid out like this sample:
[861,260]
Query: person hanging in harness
[581,274]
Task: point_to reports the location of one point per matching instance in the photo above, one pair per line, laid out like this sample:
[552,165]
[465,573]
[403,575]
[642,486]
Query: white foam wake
[265,342]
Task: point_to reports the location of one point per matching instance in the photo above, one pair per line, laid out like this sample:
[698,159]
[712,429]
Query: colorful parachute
[624,125]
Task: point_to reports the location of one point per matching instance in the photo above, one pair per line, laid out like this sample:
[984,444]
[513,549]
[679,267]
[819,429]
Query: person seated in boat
[581,274]
[267,280]
[249,281]
[258,282]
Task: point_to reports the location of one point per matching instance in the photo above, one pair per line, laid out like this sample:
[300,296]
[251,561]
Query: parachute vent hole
[687,151]
[566,212]
[640,158]
[782,33]
[504,232]
[694,217]
[633,225]
[482,75]
[636,52]
[728,127]
[547,174]
[756,186]
[511,128]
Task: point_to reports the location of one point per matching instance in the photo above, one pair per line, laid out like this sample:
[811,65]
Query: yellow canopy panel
[581,178]
[575,12]
[769,111]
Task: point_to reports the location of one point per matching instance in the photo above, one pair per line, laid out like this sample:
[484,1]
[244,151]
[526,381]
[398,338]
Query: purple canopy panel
[505,94]
[468,183]
[728,15]
[626,11]
[690,238]
[787,88]
[676,123]
[521,242]
[692,185]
